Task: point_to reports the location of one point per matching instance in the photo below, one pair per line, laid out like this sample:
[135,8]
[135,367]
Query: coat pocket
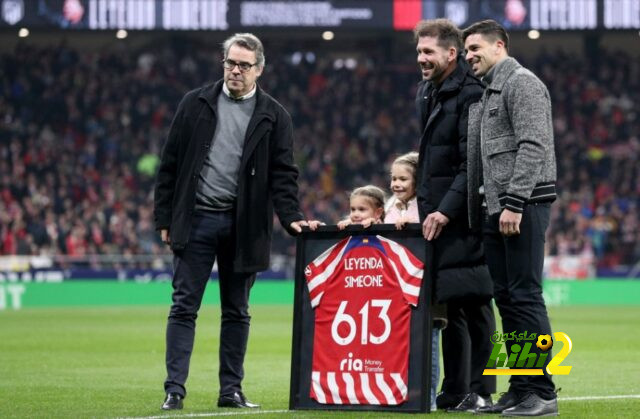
[464,284]
[501,155]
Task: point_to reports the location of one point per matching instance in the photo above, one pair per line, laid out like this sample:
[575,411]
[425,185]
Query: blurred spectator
[79,132]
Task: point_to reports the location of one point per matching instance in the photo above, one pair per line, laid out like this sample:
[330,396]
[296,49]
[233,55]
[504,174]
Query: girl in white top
[402,207]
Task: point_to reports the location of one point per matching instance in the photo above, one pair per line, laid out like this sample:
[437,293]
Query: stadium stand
[81,131]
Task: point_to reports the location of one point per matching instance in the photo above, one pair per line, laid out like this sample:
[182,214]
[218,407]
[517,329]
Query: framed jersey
[362,328]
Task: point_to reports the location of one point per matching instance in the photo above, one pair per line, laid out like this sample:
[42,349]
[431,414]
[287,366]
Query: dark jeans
[211,235]
[466,348]
[516,263]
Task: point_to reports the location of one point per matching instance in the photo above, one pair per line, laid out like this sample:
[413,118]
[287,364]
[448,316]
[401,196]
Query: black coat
[267,177]
[461,272]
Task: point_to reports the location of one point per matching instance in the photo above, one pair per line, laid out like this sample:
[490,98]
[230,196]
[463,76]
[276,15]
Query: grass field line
[265,412]
[200,415]
[619,396]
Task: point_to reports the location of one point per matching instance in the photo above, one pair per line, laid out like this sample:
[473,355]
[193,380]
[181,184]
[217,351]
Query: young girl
[367,207]
[402,208]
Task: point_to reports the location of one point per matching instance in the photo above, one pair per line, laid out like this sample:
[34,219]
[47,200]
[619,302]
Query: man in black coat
[226,165]
[462,278]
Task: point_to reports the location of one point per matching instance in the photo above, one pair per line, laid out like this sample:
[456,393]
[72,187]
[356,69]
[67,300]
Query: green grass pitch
[109,362]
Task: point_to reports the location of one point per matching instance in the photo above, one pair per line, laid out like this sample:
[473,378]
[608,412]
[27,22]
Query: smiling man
[511,151]
[226,165]
[462,279]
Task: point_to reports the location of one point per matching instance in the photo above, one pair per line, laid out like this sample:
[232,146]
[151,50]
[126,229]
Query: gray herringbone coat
[510,143]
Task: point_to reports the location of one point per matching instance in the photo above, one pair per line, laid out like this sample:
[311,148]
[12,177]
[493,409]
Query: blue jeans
[435,365]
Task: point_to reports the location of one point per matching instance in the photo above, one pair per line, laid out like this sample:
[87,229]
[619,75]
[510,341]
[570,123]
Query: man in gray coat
[511,175]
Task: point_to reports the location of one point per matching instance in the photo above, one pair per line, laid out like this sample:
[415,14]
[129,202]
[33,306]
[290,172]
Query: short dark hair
[489,29]
[444,30]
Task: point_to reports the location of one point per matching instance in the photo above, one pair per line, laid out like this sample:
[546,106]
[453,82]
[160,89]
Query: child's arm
[410,215]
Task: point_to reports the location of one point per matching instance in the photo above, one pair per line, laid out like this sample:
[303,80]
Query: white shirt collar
[249,95]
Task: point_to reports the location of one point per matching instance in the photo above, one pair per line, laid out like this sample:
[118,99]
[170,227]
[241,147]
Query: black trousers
[211,235]
[466,348]
[515,263]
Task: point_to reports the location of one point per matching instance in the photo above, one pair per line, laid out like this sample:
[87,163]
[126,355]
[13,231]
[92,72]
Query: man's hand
[433,225]
[312,224]
[510,222]
[164,236]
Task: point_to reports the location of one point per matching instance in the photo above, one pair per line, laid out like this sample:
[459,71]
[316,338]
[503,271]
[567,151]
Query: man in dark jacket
[462,278]
[226,165]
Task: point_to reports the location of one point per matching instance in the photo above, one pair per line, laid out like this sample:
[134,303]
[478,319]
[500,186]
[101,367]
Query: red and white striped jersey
[361,290]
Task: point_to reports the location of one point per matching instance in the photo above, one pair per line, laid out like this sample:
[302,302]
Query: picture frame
[311,244]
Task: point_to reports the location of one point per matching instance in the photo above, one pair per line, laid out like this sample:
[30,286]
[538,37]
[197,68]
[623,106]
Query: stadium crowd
[81,132]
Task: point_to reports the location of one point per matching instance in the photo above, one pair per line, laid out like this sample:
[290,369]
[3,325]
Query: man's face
[241,82]
[482,54]
[433,59]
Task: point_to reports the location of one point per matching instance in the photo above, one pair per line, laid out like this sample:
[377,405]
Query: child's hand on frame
[344,223]
[400,222]
[369,221]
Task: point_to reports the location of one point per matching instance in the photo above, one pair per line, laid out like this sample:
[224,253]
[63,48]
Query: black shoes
[446,401]
[506,401]
[471,403]
[172,402]
[533,405]
[236,399]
